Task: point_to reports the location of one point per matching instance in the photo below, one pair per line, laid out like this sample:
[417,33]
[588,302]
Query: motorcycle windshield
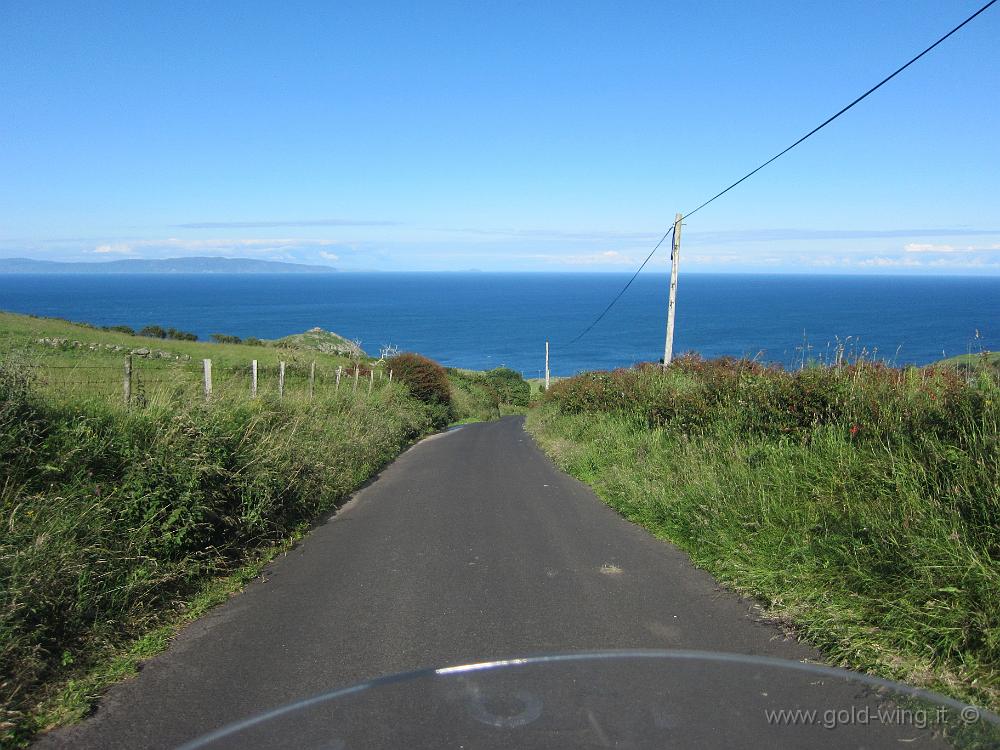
[645,699]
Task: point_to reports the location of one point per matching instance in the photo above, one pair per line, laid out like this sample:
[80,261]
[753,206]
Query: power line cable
[830,119]
[611,304]
[777,156]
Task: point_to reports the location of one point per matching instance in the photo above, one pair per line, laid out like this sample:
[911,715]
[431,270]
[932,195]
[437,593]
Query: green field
[860,505]
[73,361]
[122,521]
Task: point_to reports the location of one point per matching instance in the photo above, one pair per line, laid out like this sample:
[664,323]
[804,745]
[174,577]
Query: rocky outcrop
[324,341]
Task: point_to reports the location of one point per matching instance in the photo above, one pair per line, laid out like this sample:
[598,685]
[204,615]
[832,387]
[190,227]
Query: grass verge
[74,698]
[860,504]
[114,519]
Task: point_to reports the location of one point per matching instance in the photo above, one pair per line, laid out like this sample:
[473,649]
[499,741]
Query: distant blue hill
[167,265]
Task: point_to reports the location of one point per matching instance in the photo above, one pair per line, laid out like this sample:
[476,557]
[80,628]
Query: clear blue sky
[500,136]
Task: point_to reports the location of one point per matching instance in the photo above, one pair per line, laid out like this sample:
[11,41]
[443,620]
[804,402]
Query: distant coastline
[166,265]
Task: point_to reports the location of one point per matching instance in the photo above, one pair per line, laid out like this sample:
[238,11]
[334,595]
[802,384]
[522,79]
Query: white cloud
[954,262]
[884,262]
[605,258]
[114,248]
[917,247]
[172,244]
[328,256]
[798,235]
[724,259]
[823,261]
[271,224]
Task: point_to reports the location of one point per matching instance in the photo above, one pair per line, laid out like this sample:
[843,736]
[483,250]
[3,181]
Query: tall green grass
[861,504]
[488,394]
[110,518]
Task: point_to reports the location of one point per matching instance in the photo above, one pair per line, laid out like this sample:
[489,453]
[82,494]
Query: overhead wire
[833,117]
[668,233]
[777,156]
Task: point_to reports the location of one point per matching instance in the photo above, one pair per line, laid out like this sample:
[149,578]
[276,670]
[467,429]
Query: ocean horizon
[480,320]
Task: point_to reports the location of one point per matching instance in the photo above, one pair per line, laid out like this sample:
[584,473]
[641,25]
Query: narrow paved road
[471,546]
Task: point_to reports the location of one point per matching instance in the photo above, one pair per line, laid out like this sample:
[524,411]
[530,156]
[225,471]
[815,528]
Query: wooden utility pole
[253,379]
[546,364]
[281,379]
[206,365]
[127,384]
[675,257]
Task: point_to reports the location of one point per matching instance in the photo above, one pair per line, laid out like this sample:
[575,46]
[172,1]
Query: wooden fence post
[355,386]
[281,379]
[390,376]
[127,384]
[206,365]
[371,381]
[253,379]
[340,369]
[312,379]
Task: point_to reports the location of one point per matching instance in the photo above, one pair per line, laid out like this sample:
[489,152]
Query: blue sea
[484,320]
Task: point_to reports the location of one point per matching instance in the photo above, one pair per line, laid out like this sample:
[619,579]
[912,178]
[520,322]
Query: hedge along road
[471,546]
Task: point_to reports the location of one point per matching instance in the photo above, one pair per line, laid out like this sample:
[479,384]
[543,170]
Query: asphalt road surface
[471,546]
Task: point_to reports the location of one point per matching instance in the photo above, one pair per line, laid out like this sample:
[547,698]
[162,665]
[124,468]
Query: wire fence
[136,381]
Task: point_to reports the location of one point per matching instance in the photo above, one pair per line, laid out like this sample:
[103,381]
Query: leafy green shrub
[225,338]
[487,395]
[173,333]
[425,378]
[511,388]
[871,401]
[120,329]
[471,398]
[153,332]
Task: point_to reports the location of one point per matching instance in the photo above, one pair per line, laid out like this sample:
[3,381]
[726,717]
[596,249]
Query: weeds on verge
[861,502]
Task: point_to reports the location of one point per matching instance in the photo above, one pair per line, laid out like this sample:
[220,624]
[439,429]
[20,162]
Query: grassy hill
[24,334]
[316,339]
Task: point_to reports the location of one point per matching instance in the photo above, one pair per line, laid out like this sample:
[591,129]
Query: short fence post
[390,376]
[312,379]
[371,381]
[127,384]
[281,379]
[206,365]
[253,379]
[355,386]
[340,369]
